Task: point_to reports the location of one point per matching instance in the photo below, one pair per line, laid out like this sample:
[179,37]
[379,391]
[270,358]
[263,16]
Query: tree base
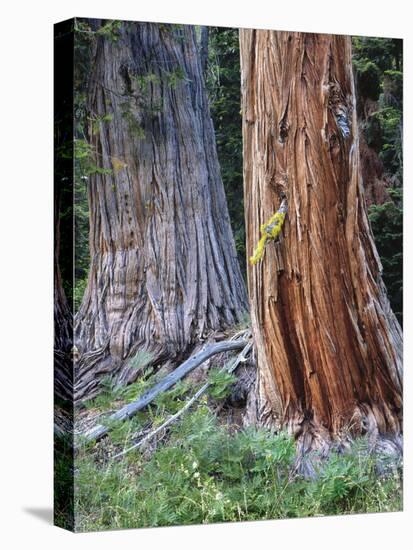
[315,443]
[92,367]
[312,453]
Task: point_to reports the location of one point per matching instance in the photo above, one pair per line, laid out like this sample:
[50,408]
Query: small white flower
[196,475]
[219,496]
[194,465]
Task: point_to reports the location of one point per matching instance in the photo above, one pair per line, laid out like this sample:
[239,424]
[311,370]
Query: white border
[26,269]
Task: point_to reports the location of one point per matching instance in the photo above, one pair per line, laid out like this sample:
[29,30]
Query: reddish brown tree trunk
[164,272]
[329,347]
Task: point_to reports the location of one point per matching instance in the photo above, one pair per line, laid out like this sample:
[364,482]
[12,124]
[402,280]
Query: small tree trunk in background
[329,346]
[203,49]
[375,181]
[164,272]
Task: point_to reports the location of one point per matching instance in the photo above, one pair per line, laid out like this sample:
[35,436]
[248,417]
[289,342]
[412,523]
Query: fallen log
[240,359]
[97,432]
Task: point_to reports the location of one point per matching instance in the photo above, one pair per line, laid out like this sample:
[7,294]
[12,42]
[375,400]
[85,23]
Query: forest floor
[207,468]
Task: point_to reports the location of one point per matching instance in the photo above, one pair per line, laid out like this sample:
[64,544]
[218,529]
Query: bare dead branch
[128,411]
[240,359]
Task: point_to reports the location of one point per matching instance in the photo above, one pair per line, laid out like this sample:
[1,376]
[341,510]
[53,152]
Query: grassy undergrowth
[202,472]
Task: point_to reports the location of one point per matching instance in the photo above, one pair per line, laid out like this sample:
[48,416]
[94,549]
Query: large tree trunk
[164,272]
[329,346]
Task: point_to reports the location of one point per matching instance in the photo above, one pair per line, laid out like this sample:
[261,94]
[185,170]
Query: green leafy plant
[174,77]
[171,401]
[110,30]
[201,473]
[220,383]
[98,120]
[143,81]
[110,393]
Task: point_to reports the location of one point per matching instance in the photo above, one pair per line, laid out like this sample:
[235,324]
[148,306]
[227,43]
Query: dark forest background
[378,67]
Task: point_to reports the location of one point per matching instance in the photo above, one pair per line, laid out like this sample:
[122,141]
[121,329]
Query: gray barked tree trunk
[164,273]
[329,346]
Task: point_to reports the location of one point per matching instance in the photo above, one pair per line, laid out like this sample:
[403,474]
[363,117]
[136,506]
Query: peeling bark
[329,347]
[164,272]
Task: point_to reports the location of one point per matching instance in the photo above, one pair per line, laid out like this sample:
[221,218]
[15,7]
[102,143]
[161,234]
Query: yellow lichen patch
[118,164]
[269,231]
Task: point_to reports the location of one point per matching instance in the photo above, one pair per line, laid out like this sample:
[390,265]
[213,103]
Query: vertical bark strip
[329,346]
[164,271]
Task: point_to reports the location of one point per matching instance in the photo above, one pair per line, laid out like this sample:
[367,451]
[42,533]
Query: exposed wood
[165,384]
[329,347]
[164,271]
